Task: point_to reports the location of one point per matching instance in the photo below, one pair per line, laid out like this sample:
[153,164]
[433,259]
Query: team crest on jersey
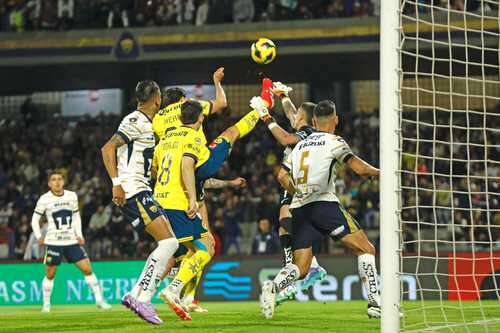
[197,141]
[133,120]
[154,209]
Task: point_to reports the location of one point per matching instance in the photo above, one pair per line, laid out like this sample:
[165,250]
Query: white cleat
[46,308]
[373,311]
[267,299]
[258,104]
[173,301]
[103,306]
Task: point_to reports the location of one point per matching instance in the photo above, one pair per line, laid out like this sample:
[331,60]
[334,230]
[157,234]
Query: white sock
[176,286]
[188,299]
[286,277]
[47,286]
[369,278]
[314,262]
[94,286]
[153,270]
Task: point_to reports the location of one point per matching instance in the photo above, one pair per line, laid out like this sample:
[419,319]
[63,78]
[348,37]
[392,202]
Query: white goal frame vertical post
[389,164]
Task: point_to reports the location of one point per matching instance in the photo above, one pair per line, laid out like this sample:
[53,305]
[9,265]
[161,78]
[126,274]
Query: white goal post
[440,165]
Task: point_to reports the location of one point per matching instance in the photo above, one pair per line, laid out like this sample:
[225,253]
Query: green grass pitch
[341,317]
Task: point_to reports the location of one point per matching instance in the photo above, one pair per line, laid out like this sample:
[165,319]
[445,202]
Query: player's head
[304,115]
[325,117]
[148,93]
[56,181]
[173,95]
[191,113]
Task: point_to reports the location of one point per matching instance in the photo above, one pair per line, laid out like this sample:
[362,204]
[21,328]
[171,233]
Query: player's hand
[40,241]
[118,195]
[219,75]
[193,208]
[239,182]
[81,241]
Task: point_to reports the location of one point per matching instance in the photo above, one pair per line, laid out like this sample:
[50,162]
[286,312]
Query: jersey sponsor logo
[132,120]
[53,253]
[312,144]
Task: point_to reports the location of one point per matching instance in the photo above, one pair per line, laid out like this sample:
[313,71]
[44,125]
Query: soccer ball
[263,51]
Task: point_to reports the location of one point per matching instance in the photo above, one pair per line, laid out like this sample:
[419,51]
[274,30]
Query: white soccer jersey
[312,167]
[134,158]
[64,223]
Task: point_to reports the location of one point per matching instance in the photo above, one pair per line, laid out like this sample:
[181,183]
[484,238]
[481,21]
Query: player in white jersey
[64,237]
[316,210]
[127,157]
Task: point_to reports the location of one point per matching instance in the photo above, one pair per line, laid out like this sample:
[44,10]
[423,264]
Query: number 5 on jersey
[304,167]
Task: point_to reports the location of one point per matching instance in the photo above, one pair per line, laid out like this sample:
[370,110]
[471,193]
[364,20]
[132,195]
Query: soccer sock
[47,286]
[94,286]
[190,267]
[246,124]
[314,262]
[153,270]
[190,289]
[286,245]
[286,277]
[369,277]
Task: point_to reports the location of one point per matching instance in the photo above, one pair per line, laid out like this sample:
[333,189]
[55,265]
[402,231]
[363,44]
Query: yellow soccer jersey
[169,189]
[170,117]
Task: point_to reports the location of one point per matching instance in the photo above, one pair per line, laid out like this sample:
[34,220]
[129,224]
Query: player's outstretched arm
[283,137]
[213,183]
[187,167]
[361,167]
[109,158]
[220,102]
[281,90]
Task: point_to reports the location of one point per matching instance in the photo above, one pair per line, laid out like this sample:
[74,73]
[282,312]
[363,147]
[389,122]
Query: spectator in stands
[97,231]
[243,11]
[166,13]
[266,241]
[65,13]
[48,15]
[232,218]
[202,13]
[146,12]
[117,16]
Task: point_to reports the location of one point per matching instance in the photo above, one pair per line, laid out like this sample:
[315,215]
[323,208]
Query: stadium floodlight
[440,166]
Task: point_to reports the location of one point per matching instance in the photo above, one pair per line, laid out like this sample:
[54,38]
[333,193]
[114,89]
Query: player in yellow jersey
[182,163]
[169,116]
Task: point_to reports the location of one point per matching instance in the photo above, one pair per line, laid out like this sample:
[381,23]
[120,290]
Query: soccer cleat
[281,89]
[373,311]
[174,302]
[46,308]
[286,295]
[267,299]
[103,306]
[314,275]
[147,312]
[258,104]
[266,92]
[129,302]
[195,307]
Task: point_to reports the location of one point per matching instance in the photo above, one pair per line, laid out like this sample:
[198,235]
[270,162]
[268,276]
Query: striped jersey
[312,166]
[134,159]
[59,211]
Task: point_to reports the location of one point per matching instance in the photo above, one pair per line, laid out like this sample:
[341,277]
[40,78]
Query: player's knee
[232,134]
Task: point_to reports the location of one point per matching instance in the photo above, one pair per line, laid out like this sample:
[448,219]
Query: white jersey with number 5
[134,158]
[312,165]
[63,226]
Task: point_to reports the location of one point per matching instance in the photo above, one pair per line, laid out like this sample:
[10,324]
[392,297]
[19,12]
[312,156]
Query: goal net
[448,213]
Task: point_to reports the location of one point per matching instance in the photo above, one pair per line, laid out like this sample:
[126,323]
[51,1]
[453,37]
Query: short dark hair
[145,90]
[55,172]
[190,111]
[308,108]
[325,108]
[173,95]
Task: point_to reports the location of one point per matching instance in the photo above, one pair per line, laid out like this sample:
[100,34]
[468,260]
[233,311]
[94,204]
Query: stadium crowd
[243,220]
[20,15]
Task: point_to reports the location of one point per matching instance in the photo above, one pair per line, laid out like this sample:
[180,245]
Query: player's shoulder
[169,108]
[71,194]
[45,196]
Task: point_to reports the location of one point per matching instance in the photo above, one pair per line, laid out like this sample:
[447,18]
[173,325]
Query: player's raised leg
[367,269]
[92,282]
